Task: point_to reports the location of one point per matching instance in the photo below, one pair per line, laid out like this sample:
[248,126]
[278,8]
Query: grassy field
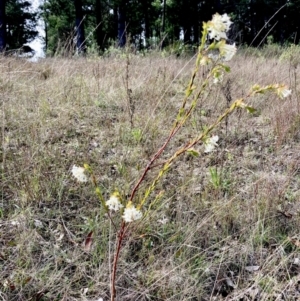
[227,224]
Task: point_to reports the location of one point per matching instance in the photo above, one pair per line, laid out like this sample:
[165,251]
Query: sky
[37,43]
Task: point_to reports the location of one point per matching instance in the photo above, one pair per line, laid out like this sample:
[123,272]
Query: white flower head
[114,203]
[78,173]
[211,144]
[131,214]
[218,26]
[283,91]
[226,21]
[227,51]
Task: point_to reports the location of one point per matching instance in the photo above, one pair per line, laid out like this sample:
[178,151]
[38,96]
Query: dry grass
[227,213]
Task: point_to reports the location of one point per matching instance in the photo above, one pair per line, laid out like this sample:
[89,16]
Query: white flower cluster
[227,51]
[217,29]
[283,92]
[78,173]
[131,214]
[114,203]
[211,144]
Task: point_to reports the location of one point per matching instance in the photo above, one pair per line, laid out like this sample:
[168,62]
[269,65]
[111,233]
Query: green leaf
[188,92]
[250,110]
[256,87]
[193,152]
[181,113]
[227,68]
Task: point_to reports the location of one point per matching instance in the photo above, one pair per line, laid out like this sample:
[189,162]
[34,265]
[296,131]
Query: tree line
[85,25]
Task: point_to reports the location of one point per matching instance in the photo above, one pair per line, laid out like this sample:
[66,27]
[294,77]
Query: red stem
[153,159]
[114,268]
[122,232]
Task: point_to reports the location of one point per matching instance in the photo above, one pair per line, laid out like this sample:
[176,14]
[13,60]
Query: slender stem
[178,124]
[188,146]
[115,263]
[149,165]
[109,256]
[100,196]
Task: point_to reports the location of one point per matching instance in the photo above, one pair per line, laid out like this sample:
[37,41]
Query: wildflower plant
[213,52]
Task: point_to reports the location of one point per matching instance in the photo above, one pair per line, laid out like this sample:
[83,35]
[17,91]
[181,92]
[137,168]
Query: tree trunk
[253,23]
[187,22]
[46,18]
[79,28]
[163,25]
[122,24]
[100,37]
[147,24]
[187,34]
[2,26]
[281,22]
[195,22]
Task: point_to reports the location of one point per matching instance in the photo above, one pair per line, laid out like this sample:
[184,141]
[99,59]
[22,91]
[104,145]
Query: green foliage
[21,23]
[220,179]
[291,54]
[215,177]
[59,17]
[137,135]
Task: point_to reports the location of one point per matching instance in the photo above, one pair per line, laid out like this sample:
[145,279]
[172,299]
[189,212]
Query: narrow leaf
[250,110]
[193,152]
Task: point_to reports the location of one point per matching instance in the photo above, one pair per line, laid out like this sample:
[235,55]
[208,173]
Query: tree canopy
[78,25]
[17,24]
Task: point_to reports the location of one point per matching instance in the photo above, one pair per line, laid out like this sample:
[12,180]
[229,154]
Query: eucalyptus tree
[79,27]
[121,9]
